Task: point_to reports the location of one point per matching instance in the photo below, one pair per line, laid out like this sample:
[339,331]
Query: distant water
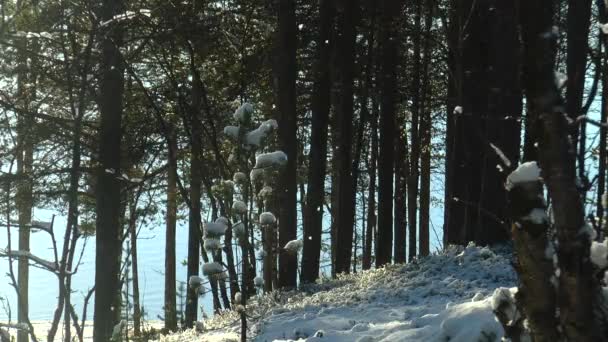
[44,285]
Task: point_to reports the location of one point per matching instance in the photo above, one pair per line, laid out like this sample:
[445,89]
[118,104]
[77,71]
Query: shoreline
[42,327]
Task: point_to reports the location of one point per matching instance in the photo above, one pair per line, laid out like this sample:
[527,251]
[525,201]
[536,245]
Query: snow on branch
[526,172]
[49,265]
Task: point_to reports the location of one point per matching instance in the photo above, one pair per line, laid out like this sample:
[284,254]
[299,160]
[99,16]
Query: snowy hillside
[439,298]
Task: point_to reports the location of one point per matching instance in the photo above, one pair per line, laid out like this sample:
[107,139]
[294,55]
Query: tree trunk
[286,93]
[601,180]
[579,15]
[389,12]
[194,217]
[401,174]
[108,232]
[414,161]
[170,258]
[26,92]
[134,268]
[344,65]
[318,148]
[579,293]
[24,199]
[485,66]
[371,193]
[425,134]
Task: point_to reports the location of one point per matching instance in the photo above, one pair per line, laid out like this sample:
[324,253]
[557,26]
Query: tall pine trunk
[194,216]
[414,175]
[108,232]
[425,134]
[579,15]
[318,148]
[344,65]
[286,69]
[371,193]
[389,12]
[170,307]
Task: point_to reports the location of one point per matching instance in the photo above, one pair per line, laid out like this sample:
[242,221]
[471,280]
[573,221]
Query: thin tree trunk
[134,268]
[170,258]
[371,193]
[25,153]
[425,134]
[601,180]
[108,235]
[401,173]
[579,15]
[414,175]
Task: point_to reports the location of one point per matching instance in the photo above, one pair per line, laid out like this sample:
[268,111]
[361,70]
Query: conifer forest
[303,170]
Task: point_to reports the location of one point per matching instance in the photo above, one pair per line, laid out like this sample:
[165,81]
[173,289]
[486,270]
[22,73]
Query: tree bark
[134,268]
[486,105]
[389,12]
[194,216]
[108,234]
[601,180]
[345,70]
[579,15]
[414,161]
[286,70]
[170,258]
[579,292]
[425,134]
[318,148]
[371,193]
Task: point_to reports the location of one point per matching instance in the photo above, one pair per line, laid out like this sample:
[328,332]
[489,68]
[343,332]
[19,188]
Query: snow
[526,172]
[255,173]
[232,131]
[238,229]
[118,329]
[239,207]
[195,281]
[223,220]
[599,253]
[210,268]
[239,177]
[212,244]
[215,228]
[265,192]
[536,216]
[256,136]
[293,246]
[267,218]
[427,300]
[276,158]
[243,113]
[560,79]
[258,281]
[501,155]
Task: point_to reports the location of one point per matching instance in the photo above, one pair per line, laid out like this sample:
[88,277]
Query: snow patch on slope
[442,297]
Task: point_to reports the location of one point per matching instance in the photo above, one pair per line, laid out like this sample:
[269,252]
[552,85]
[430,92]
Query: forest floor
[447,296]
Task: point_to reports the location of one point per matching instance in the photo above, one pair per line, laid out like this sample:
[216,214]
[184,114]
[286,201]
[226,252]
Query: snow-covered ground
[444,297]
